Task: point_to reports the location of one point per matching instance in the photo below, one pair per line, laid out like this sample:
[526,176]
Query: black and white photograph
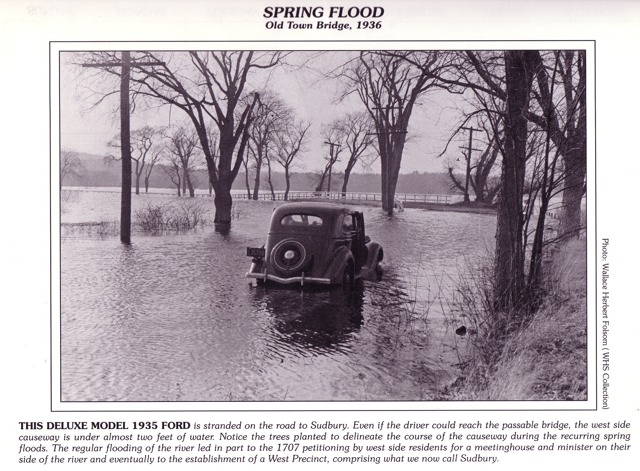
[273,234]
[334,225]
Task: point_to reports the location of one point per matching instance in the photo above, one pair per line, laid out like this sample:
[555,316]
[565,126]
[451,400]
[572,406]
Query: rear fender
[375,254]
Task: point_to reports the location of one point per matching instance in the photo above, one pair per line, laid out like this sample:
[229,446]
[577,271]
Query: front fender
[375,254]
[334,270]
[370,270]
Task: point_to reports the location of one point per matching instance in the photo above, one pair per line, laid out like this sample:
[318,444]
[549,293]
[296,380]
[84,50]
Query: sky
[88,130]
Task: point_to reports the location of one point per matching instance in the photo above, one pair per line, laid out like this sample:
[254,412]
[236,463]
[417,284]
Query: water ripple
[171,318]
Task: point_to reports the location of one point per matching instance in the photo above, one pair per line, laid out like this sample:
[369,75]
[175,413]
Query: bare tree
[183,149]
[143,141]
[70,165]
[155,157]
[269,178]
[536,101]
[270,113]
[390,84]
[480,78]
[561,80]
[481,170]
[213,140]
[245,164]
[208,86]
[562,112]
[357,131]
[173,168]
[290,141]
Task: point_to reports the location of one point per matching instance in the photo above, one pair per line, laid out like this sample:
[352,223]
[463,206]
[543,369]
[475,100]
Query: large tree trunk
[535,268]
[391,191]
[384,173]
[347,174]
[273,193]
[478,185]
[320,186]
[223,203]
[575,159]
[574,177]
[569,135]
[345,182]
[223,179]
[187,177]
[509,257]
[390,174]
[287,183]
[246,182]
[256,182]
[137,178]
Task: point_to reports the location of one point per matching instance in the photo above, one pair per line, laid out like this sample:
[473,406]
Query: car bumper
[301,280]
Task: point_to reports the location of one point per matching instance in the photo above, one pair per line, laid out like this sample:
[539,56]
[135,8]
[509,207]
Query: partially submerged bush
[152,218]
[187,215]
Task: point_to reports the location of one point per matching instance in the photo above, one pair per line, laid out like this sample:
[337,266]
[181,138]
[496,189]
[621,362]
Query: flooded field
[172,318]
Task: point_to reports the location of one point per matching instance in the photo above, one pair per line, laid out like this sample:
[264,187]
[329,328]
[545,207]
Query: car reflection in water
[315,319]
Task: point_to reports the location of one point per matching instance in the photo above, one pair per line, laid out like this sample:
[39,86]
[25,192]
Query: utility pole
[125,138]
[468,158]
[332,146]
[125,149]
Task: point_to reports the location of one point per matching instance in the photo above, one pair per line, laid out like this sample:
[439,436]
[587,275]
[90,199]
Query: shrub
[152,218]
[187,215]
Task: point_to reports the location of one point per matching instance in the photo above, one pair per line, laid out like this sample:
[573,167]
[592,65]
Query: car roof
[323,210]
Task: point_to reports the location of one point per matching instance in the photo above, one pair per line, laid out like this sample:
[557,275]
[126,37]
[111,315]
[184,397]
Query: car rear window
[301,220]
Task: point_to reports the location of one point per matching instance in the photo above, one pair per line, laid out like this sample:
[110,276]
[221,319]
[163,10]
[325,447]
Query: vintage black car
[316,243]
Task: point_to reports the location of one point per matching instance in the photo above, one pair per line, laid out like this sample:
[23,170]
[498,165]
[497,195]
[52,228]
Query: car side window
[347,224]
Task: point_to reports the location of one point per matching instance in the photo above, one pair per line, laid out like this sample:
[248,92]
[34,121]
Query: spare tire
[289,257]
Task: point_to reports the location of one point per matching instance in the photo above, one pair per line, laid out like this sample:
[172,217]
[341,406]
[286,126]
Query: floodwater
[172,318]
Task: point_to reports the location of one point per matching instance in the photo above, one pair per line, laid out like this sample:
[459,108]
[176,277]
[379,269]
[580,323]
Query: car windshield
[301,220]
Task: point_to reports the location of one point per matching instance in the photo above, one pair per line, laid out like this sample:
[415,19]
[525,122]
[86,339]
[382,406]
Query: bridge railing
[305,195]
[296,195]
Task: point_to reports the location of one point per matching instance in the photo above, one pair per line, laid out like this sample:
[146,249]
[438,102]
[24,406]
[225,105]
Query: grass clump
[537,357]
[89,230]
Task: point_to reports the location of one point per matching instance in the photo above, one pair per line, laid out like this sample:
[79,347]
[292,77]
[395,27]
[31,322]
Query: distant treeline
[97,173]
